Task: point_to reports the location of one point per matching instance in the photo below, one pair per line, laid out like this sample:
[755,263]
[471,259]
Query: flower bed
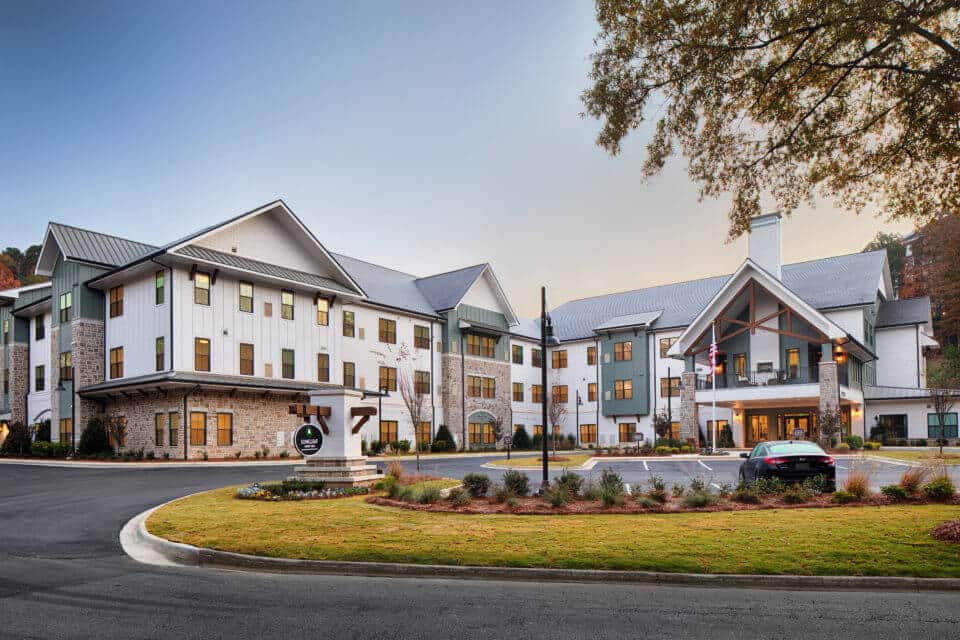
[296,490]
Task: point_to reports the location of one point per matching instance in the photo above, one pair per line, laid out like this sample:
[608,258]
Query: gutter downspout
[917,328]
[463,396]
[433,386]
[596,364]
[26,394]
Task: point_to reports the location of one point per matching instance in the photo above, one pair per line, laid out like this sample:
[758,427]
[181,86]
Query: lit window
[474,386]
[517,354]
[591,392]
[421,337]
[116,362]
[623,351]
[246,359]
[388,379]
[591,355]
[588,433]
[627,431]
[173,423]
[670,387]
[116,301]
[536,393]
[560,393]
[518,392]
[323,312]
[201,354]
[421,382]
[201,288]
[349,374]
[286,305]
[323,367]
[224,429]
[489,388]
[66,303]
[245,293]
[388,431]
[665,344]
[623,389]
[159,354]
[559,359]
[388,331]
[198,428]
[349,327]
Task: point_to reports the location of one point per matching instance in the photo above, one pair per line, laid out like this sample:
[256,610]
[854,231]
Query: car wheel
[743,477]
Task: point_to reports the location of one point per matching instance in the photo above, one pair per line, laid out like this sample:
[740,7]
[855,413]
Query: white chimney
[764,243]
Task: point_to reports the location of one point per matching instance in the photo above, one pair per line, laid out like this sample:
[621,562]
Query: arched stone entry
[480,430]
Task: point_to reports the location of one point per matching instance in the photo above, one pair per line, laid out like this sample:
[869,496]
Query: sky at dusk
[421,136]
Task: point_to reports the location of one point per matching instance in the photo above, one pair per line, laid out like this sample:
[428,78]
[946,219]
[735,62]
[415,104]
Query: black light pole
[546,339]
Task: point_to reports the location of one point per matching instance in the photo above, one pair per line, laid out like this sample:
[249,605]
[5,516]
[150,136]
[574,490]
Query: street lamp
[547,339]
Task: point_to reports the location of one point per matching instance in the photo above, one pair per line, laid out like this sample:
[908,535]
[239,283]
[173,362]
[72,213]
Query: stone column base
[339,473]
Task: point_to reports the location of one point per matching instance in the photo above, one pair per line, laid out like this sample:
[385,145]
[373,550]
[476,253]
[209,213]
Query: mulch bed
[949,531]
[536,506]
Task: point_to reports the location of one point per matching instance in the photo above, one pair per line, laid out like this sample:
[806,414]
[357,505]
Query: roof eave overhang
[31,309]
[170,381]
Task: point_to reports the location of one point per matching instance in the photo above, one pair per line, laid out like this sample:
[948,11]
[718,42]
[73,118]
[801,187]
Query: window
[388,379]
[591,392]
[489,388]
[488,347]
[116,301]
[481,433]
[158,288]
[669,387]
[288,364]
[488,434]
[349,326]
[421,382]
[116,362]
[173,424]
[224,429]
[349,374]
[623,351]
[6,331]
[518,392]
[39,330]
[198,428]
[201,288]
[517,354]
[388,431]
[740,365]
[623,389]
[66,365]
[388,331]
[473,386]
[665,344]
[66,430]
[559,359]
[765,367]
[591,355]
[588,433]
[421,336]
[323,312]
[201,354]
[793,363]
[894,426]
[66,303]
[246,359]
[286,304]
[39,378]
[158,354]
[536,393]
[245,297]
[423,433]
[323,367]
[473,344]
[627,431]
[536,357]
[537,430]
[949,426]
[560,393]
[158,429]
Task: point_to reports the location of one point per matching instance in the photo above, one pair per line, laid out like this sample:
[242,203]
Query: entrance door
[797,427]
[759,426]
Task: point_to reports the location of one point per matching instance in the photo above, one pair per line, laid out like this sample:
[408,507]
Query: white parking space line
[645,467]
[840,466]
[715,485]
[704,466]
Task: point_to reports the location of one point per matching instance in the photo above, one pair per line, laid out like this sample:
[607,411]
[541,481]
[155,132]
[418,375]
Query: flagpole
[713,377]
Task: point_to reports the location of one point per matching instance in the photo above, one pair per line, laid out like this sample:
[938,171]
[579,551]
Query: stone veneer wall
[86,344]
[453,399]
[19,381]
[829,386]
[689,418]
[256,421]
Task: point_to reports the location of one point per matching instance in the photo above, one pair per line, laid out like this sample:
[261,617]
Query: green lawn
[891,540]
[929,456]
[572,461]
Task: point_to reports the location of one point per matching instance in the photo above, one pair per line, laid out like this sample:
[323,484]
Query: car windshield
[795,448]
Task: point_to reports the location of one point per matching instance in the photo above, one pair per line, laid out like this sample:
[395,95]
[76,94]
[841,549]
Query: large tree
[22,264]
[858,101]
[896,254]
[933,270]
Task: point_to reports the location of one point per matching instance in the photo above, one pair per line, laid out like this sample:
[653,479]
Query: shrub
[699,499]
[256,454]
[662,450]
[674,449]
[912,479]
[842,447]
[376,448]
[151,455]
[940,488]
[512,502]
[477,484]
[395,469]
[237,454]
[557,495]
[590,490]
[166,455]
[517,482]
[521,439]
[843,497]
[205,455]
[43,432]
[611,497]
[646,449]
[747,494]
[387,484]
[286,487]
[857,483]
[41,450]
[871,446]
[611,480]
[797,494]
[363,446]
[855,442]
[536,441]
[405,493]
[403,446]
[818,484]
[697,485]
[895,492]
[443,440]
[571,482]
[648,502]
[284,454]
[686,449]
[725,490]
[94,439]
[657,483]
[678,490]
[502,493]
[459,497]
[429,494]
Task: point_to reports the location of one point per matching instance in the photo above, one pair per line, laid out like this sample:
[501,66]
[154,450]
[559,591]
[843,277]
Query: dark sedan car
[789,460]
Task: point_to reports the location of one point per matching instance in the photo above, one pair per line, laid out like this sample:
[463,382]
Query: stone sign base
[339,473]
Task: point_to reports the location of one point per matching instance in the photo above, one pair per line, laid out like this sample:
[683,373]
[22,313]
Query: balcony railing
[769,378]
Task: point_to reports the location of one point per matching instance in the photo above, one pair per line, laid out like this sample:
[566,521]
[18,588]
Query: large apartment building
[200,345]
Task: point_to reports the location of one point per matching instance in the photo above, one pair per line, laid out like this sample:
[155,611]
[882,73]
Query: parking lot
[715,471]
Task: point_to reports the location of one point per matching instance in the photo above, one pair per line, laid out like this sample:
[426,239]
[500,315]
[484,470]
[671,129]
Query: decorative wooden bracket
[308,410]
[364,414]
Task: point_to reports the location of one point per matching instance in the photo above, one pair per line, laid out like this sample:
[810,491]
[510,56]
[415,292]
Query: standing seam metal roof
[98,248]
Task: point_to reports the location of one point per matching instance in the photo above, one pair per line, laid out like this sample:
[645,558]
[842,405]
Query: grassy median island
[888,540]
[931,456]
[562,459]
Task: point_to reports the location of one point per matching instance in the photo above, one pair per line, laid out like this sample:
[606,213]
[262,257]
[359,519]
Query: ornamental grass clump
[557,495]
[459,497]
[857,483]
[428,494]
[912,479]
[395,469]
[940,488]
[658,489]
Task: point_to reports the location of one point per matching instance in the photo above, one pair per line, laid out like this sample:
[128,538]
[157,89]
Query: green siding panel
[70,276]
[635,369]
[467,313]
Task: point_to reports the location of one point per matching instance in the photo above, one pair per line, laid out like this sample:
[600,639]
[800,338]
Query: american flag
[713,357]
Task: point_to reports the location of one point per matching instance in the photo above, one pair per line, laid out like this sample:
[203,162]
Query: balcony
[769,378]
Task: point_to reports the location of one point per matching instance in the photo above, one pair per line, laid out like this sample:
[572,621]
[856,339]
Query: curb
[85,464]
[144,547]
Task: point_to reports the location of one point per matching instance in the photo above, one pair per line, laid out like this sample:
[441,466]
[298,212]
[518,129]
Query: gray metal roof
[630,320]
[826,283]
[528,328]
[168,378]
[903,312]
[445,290]
[893,393]
[263,268]
[386,286]
[97,248]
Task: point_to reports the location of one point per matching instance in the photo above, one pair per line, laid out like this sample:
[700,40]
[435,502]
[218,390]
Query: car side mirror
[744,455]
